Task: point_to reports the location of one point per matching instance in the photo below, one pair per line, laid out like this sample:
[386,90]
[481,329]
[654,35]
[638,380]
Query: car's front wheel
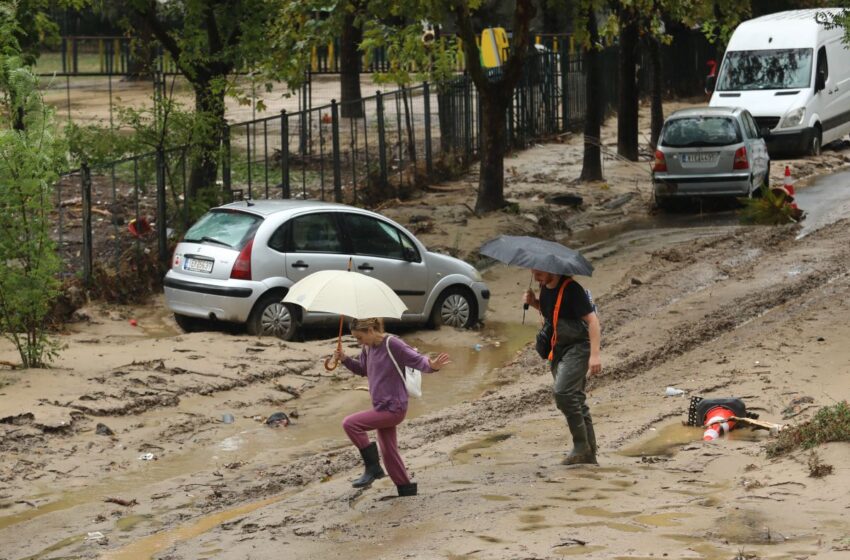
[456,307]
[272,317]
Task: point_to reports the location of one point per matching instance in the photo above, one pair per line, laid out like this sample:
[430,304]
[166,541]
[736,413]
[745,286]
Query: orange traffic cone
[789,182]
[717,423]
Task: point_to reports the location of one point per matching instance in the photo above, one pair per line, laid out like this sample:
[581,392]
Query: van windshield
[694,132]
[775,69]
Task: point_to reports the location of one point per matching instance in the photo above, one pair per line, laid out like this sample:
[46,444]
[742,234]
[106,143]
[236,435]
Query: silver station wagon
[238,261]
[709,152]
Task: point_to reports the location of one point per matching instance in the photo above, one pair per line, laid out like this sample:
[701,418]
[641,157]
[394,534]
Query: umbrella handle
[328,365]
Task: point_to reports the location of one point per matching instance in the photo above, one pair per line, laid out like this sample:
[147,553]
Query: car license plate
[699,157]
[198,265]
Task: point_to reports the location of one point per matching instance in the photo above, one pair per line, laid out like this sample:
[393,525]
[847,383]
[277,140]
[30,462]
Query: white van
[793,74]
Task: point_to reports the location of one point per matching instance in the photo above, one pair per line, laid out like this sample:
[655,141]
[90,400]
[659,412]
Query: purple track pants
[384,422]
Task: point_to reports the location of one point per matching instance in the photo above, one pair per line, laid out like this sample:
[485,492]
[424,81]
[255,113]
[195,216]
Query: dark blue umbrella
[536,253]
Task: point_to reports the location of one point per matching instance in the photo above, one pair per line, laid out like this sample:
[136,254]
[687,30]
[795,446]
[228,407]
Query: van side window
[822,63]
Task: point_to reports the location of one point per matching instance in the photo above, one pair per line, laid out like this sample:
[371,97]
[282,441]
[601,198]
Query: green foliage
[830,423]
[769,209]
[31,157]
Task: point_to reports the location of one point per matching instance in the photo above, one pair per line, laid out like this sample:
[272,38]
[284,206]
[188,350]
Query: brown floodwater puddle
[148,546]
[465,453]
[665,442]
[319,429]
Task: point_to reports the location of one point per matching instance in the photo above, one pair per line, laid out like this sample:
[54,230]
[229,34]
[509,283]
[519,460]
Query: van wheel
[815,146]
[272,317]
[456,307]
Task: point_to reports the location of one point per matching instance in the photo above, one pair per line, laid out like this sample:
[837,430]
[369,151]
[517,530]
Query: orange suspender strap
[555,319]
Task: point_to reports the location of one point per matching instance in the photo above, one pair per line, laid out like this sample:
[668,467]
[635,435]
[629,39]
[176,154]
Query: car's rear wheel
[456,307]
[272,317]
[190,324]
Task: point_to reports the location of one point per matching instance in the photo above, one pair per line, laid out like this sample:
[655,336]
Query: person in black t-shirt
[575,353]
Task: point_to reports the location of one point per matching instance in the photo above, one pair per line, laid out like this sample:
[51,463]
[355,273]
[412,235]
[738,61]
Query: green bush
[830,423]
[31,157]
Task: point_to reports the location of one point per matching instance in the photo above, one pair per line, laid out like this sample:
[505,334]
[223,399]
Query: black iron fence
[386,144]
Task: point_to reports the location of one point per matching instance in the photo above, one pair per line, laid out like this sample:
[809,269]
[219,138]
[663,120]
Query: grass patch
[830,423]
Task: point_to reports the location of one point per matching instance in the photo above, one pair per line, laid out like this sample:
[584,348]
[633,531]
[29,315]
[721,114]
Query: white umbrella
[346,293]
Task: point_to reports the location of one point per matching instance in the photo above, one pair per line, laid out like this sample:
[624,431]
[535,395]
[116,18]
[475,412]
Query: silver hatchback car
[709,151]
[238,261]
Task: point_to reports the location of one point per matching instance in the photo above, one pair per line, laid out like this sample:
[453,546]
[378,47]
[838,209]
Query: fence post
[426,92]
[85,177]
[225,163]
[284,154]
[161,218]
[382,140]
[335,148]
[564,60]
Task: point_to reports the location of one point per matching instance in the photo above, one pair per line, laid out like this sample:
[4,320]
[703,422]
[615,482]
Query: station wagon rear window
[694,132]
[224,227]
[768,69]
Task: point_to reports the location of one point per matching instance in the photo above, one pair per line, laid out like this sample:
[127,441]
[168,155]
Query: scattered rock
[636,282]
[103,430]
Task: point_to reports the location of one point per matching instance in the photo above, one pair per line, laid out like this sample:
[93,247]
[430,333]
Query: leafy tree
[213,39]
[299,27]
[31,157]
[409,56]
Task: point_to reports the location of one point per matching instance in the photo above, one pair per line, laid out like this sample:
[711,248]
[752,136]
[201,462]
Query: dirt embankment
[715,310]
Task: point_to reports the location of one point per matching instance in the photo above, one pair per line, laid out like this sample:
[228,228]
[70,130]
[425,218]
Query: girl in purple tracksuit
[389,400]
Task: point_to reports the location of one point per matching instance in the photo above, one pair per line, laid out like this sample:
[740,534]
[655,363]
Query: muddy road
[714,309]
[143,442]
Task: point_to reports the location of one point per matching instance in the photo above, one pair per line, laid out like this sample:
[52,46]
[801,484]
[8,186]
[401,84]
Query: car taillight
[242,266]
[660,164]
[741,161]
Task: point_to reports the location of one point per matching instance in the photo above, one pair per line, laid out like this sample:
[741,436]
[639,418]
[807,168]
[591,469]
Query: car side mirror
[764,132]
[820,81]
[409,254]
[710,82]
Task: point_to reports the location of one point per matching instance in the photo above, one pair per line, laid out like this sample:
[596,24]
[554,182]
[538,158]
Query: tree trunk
[627,113]
[491,177]
[349,62]
[591,167]
[657,120]
[209,101]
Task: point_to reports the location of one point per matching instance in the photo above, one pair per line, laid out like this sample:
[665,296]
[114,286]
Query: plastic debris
[673,392]
[133,323]
[147,457]
[227,418]
[477,347]
[95,536]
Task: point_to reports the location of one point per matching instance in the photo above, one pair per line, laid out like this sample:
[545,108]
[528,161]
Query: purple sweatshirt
[386,387]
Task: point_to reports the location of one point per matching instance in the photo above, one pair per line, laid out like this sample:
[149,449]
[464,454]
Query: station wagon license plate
[699,157]
[197,265]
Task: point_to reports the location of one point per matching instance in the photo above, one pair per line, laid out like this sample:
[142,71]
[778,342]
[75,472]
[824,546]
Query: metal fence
[396,141]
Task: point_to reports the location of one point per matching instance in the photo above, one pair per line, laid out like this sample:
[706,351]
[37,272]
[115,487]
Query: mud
[715,309]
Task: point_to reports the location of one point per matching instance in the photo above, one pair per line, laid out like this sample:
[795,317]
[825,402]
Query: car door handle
[300,264]
[365,266]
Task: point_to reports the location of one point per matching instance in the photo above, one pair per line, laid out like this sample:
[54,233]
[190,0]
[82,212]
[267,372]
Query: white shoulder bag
[412,377]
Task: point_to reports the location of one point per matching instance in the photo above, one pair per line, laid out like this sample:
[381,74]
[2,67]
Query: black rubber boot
[582,453]
[373,469]
[407,489]
[591,435]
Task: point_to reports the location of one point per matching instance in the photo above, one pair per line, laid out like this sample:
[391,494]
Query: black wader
[569,370]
